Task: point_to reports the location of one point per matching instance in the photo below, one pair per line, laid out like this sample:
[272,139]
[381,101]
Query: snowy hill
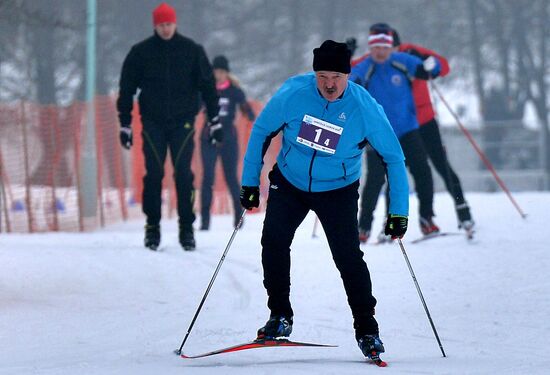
[99,303]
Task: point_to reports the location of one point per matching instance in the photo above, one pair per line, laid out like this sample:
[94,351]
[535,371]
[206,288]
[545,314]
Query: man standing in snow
[326,122]
[386,75]
[171,71]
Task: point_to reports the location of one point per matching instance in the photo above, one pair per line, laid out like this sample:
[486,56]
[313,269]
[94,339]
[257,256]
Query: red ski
[258,343]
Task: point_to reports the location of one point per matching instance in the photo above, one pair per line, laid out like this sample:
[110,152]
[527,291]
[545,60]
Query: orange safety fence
[40,168]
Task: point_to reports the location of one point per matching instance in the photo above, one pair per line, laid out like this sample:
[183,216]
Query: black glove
[396,226]
[215,130]
[126,136]
[250,197]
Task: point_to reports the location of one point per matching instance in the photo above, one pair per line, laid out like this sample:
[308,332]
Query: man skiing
[171,71]
[326,121]
[429,128]
[386,75]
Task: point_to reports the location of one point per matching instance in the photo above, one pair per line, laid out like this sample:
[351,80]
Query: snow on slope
[98,303]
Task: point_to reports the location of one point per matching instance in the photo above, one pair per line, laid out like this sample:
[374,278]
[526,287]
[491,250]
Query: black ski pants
[417,162]
[228,152]
[287,207]
[438,156]
[157,138]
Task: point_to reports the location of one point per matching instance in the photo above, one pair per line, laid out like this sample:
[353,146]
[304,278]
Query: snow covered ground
[98,303]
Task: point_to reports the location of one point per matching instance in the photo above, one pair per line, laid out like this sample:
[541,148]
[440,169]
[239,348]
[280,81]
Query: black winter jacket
[171,74]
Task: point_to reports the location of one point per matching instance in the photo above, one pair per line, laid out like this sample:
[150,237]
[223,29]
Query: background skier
[387,75]
[231,97]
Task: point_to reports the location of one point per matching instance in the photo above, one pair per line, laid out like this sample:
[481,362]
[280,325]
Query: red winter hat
[164,13]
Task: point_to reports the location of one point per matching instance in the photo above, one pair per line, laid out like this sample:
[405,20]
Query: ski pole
[314,233]
[178,351]
[479,152]
[421,296]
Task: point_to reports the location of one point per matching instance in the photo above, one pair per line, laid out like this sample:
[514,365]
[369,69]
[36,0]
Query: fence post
[28,193]
[118,162]
[4,200]
[76,117]
[100,158]
[51,112]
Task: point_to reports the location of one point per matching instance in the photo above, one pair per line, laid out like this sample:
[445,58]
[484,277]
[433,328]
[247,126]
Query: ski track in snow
[99,303]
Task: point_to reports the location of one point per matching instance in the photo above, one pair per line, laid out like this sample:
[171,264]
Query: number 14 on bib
[319,134]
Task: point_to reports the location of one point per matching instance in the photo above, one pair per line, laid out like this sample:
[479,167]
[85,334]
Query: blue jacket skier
[326,121]
[387,76]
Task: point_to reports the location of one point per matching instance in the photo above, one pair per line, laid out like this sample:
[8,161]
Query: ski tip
[381,363]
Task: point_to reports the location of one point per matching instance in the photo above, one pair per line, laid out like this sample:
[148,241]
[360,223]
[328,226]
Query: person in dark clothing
[386,75]
[429,131]
[325,121]
[171,71]
[231,97]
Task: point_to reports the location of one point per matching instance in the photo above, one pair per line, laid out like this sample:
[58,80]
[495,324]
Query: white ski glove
[429,64]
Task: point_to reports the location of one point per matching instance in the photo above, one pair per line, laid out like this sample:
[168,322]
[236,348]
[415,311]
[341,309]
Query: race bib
[319,135]
[224,107]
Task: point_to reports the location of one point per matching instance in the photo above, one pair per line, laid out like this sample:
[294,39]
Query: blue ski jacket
[390,84]
[322,141]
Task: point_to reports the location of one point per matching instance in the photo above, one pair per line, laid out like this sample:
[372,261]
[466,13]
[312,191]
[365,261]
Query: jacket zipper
[285,154]
[345,172]
[315,152]
[311,168]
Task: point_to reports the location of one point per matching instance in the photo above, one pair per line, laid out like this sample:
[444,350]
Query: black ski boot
[465,220]
[205,223]
[276,327]
[371,346]
[187,239]
[427,226]
[363,235]
[152,236]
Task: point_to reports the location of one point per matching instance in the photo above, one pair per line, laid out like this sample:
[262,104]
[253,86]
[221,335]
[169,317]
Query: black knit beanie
[333,57]
[220,62]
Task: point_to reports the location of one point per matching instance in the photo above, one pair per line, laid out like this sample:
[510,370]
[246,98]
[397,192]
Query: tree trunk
[43,58]
[475,46]
[542,106]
